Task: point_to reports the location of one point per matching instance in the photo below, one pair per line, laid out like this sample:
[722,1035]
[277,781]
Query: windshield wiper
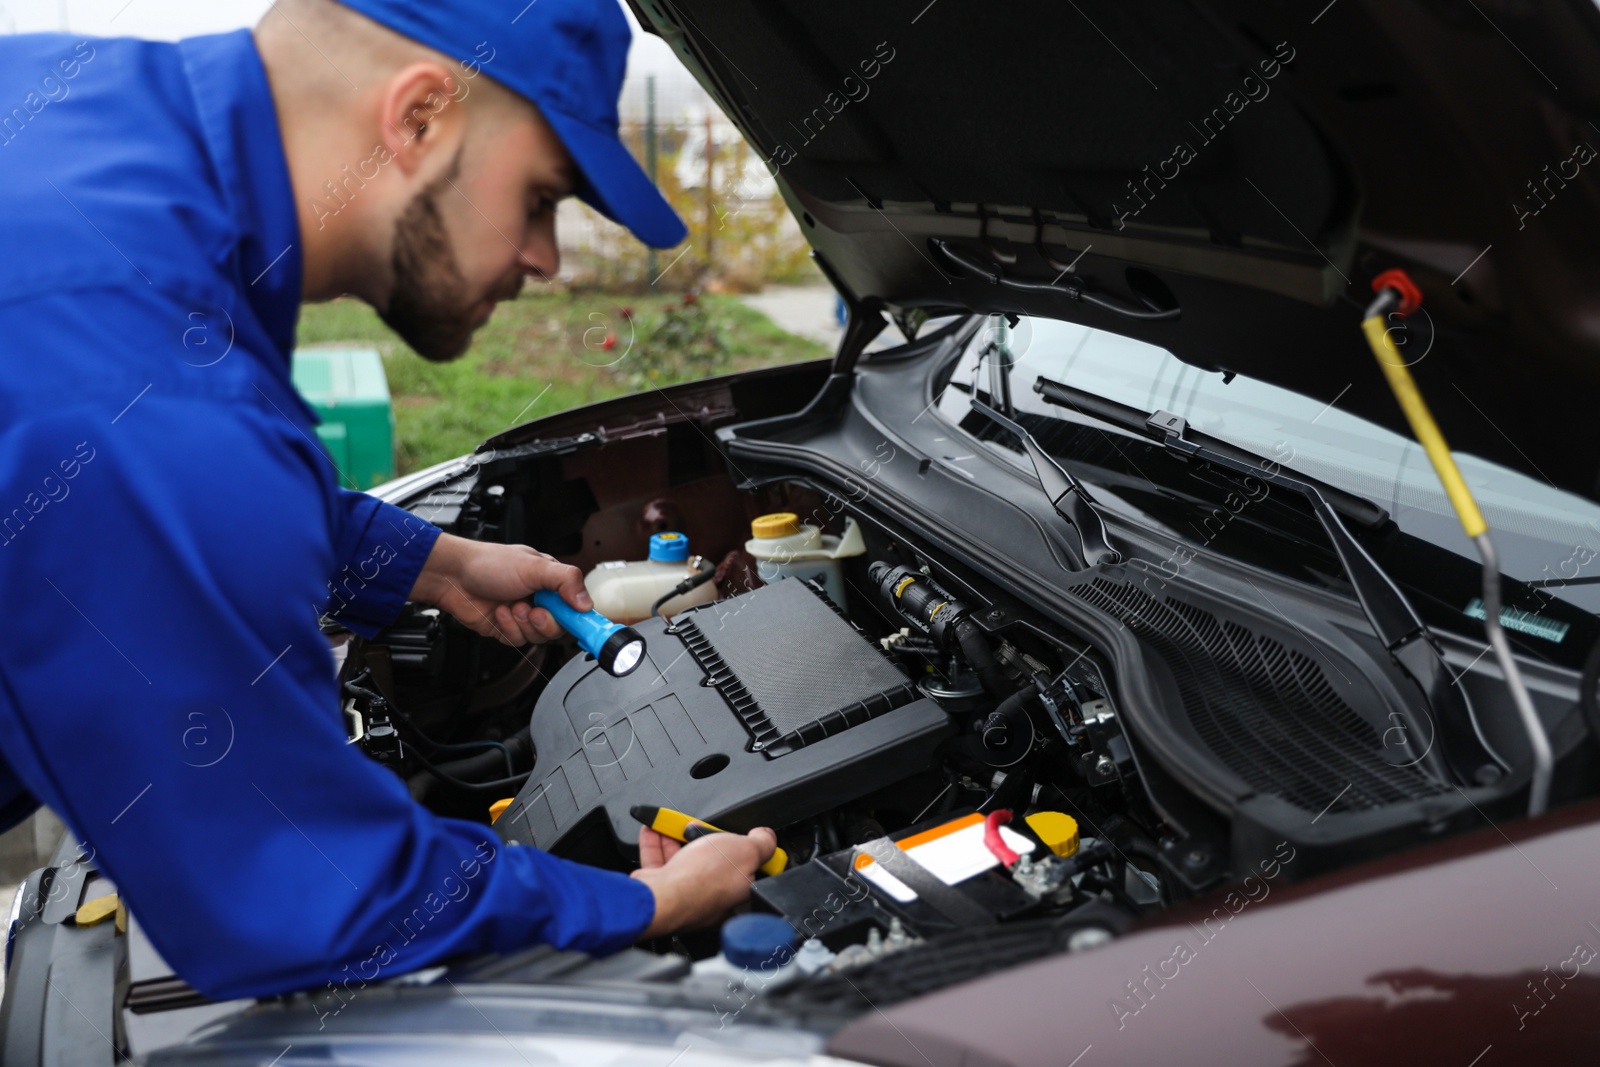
[1066,494]
[1463,745]
[1352,508]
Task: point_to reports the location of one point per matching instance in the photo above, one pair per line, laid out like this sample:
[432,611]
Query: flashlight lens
[628,657]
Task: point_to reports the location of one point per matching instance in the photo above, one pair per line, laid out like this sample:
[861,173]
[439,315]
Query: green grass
[541,353]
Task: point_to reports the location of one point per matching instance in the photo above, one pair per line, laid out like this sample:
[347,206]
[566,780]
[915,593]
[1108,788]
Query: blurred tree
[741,221]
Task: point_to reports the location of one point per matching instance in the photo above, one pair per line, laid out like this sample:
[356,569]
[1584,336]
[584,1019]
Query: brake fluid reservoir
[784,547]
[623,590]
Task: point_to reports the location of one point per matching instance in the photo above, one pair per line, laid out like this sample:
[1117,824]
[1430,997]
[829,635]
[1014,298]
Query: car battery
[935,878]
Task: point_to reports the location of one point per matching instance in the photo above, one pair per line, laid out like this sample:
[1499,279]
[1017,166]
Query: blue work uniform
[170,532]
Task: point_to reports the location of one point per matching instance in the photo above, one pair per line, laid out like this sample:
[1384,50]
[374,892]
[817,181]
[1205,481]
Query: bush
[683,344]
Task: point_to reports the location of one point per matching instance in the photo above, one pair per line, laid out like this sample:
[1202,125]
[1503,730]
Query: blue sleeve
[164,687]
[379,550]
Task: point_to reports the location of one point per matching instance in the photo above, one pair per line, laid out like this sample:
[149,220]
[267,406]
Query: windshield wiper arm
[1067,495]
[1464,747]
[1353,508]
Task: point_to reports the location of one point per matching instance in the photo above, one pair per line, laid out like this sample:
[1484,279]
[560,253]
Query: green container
[349,391]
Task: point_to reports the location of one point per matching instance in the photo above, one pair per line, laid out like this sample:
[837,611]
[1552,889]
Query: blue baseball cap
[568,57]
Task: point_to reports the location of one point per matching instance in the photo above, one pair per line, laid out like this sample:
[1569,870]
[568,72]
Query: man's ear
[421,116]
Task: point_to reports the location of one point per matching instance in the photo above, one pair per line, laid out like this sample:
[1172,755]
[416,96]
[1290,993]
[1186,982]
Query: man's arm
[486,587]
[379,552]
[390,556]
[164,687]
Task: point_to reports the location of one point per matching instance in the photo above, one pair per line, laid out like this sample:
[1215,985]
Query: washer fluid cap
[669,547]
[780,524]
[755,941]
[1058,831]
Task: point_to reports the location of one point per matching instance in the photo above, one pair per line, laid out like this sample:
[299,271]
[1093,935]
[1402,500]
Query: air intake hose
[946,620]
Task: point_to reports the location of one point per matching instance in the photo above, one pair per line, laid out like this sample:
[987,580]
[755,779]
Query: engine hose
[467,746]
[467,773]
[708,571]
[519,745]
[497,785]
[975,649]
[1011,716]
[354,687]
[1091,855]
[945,619]
[1142,848]
[464,746]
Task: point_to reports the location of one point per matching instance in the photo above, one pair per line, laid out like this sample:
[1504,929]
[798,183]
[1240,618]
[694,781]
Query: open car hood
[1253,166]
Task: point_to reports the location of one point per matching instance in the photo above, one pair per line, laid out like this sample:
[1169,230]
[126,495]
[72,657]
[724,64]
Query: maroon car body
[1483,950]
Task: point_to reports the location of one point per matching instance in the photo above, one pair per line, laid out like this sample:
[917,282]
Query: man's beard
[429,306]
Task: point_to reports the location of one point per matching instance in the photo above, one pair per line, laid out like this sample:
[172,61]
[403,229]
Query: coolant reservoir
[784,547]
[623,590]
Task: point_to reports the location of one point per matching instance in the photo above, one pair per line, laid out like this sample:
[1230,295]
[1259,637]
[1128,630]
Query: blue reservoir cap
[669,548]
[758,942]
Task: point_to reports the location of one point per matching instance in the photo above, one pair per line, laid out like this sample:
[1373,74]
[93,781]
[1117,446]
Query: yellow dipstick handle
[1404,387]
[681,827]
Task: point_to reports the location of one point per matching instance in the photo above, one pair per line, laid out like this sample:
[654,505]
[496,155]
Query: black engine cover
[760,710]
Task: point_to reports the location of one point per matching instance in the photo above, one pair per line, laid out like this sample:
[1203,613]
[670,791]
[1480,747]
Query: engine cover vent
[790,665]
[1267,712]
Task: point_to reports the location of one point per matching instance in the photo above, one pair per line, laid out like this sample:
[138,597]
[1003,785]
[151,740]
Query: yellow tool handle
[1404,387]
[676,825]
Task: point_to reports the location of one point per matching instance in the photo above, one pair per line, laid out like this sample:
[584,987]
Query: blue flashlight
[617,648]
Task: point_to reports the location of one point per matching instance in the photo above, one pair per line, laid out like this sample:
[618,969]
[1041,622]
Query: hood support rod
[1398,294]
[864,322]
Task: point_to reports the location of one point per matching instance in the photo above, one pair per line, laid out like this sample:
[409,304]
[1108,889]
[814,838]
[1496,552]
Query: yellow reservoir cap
[499,807]
[778,524]
[1058,831]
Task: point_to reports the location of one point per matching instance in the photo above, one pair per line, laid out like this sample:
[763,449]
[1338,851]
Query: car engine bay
[847,728]
[960,782]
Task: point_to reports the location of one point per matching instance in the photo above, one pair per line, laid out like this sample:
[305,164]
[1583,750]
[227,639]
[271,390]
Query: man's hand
[698,883]
[487,586]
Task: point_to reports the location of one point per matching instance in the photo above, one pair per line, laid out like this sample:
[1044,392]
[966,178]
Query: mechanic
[170,531]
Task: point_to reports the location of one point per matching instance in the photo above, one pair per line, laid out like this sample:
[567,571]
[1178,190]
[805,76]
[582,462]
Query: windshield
[1546,537]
